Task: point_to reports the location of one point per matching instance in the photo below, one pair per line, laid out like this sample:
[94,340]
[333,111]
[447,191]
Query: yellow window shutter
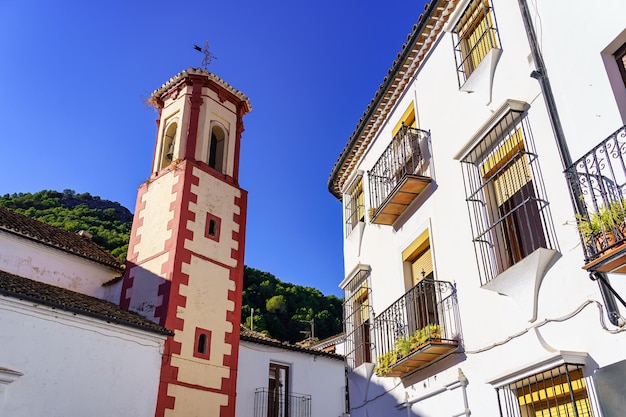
[408,118]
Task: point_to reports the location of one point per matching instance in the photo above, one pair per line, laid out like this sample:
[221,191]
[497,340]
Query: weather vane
[208,56]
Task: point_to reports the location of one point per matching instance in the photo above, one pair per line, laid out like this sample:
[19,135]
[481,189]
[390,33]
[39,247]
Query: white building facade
[66,350]
[467,286]
[280,379]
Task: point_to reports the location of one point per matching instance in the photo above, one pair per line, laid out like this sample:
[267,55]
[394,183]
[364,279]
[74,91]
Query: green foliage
[108,222]
[608,219]
[281,310]
[276,304]
[404,346]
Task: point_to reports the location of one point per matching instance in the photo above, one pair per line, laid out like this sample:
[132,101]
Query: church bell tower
[185,258]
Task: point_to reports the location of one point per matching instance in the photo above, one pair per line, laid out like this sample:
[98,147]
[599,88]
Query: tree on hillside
[283,310]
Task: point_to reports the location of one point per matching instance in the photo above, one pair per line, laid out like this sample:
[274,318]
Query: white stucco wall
[74,365]
[589,113]
[321,377]
[39,262]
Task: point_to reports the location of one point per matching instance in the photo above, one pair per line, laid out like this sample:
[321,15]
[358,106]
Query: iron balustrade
[430,306]
[402,157]
[274,403]
[597,183]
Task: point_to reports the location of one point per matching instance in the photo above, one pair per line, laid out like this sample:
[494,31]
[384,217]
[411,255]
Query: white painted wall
[39,262]
[74,365]
[321,377]
[573,37]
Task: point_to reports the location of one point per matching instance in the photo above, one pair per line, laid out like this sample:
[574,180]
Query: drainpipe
[541,75]
[609,295]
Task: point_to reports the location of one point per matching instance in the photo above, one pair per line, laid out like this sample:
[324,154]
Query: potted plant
[404,346]
[385,362]
[618,212]
[600,228]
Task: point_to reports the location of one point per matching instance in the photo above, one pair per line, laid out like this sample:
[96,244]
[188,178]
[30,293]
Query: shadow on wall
[369,398]
[145,293]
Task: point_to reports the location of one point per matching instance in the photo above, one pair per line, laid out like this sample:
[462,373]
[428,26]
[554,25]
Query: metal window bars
[506,198]
[557,392]
[357,318]
[475,35]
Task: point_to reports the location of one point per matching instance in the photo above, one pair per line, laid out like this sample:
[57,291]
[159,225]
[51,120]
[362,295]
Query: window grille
[557,392]
[508,208]
[476,34]
[357,322]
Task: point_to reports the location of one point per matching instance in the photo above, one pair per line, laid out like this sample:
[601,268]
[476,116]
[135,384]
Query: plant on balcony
[599,229]
[385,363]
[406,345]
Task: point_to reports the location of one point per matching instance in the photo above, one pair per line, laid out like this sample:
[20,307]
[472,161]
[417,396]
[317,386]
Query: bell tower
[186,252]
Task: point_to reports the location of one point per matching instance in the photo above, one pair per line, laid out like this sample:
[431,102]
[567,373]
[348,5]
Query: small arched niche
[217,148]
[168,145]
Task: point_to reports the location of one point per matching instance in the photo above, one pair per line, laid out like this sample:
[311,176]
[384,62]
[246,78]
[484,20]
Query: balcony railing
[421,327]
[274,403]
[597,184]
[399,175]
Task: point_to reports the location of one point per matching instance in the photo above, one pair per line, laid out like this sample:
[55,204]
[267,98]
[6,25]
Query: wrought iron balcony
[597,184]
[420,328]
[399,175]
[275,403]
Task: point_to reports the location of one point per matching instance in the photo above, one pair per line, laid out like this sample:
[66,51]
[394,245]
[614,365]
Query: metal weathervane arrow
[208,56]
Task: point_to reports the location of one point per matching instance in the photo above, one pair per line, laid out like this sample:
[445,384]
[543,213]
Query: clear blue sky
[74,75]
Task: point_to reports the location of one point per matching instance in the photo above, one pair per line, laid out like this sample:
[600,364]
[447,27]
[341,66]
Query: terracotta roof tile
[199,71]
[24,226]
[252,336]
[27,289]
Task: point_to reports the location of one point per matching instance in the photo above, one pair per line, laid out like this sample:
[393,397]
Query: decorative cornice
[175,81]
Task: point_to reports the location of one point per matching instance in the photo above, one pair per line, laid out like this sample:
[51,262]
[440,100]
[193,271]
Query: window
[217,148]
[506,200]
[476,34]
[357,319]
[355,205]
[168,146]
[202,344]
[212,227]
[417,257]
[422,305]
[557,392]
[620,58]
[278,390]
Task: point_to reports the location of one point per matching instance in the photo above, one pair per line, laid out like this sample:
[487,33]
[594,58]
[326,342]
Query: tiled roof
[26,227]
[329,341]
[63,299]
[199,71]
[419,42]
[256,337]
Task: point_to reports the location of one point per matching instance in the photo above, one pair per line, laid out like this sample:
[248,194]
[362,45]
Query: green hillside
[107,221]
